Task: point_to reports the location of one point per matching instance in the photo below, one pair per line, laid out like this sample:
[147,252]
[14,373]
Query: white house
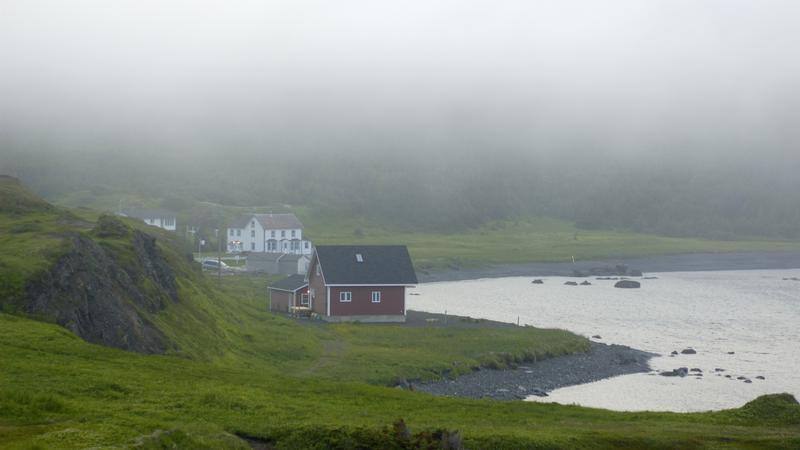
[268,233]
[155,217]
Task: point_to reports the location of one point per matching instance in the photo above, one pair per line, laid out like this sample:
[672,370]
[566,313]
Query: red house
[365,283]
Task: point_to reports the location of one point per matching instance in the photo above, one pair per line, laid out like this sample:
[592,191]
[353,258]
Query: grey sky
[628,77]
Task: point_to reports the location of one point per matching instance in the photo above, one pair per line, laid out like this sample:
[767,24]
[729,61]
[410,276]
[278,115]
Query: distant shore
[687,262]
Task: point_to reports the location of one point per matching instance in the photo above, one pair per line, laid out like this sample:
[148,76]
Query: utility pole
[219,256]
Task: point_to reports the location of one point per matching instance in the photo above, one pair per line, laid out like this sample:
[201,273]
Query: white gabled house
[155,217]
[268,233]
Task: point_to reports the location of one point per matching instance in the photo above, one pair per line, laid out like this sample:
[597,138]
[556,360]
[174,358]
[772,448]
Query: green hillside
[229,368]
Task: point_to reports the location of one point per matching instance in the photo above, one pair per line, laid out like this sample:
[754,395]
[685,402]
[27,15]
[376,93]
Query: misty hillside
[722,201]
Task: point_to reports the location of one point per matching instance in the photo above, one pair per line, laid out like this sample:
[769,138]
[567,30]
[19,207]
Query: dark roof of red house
[366,264]
[291,283]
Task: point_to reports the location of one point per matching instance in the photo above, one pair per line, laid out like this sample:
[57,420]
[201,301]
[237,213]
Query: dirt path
[331,350]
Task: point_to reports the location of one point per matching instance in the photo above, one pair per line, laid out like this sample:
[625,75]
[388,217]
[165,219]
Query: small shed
[288,293]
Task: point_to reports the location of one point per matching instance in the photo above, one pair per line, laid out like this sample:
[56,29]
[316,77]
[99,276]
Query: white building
[154,217]
[268,233]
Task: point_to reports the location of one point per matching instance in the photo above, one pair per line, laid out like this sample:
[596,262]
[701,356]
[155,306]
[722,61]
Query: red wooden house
[365,283]
[289,292]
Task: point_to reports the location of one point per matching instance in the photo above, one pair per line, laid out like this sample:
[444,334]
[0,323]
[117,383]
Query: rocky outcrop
[103,295]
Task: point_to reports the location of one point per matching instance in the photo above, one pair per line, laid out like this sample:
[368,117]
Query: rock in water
[627,284]
[537,282]
[586,283]
[689,351]
[571,283]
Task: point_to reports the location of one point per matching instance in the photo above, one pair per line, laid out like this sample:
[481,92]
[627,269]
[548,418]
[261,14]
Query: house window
[304,299]
[272,233]
[294,233]
[238,232]
[252,233]
[283,233]
[307,244]
[272,245]
[253,224]
[359,258]
[345,296]
[252,246]
[230,232]
[376,296]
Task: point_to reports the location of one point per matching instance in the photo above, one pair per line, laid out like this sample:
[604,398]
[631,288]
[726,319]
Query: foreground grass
[277,379]
[524,240]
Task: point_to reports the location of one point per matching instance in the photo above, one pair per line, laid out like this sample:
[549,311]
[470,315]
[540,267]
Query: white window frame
[345,296]
[376,298]
[252,246]
[304,300]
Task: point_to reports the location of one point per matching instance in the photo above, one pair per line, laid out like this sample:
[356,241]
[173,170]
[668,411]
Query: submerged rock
[627,284]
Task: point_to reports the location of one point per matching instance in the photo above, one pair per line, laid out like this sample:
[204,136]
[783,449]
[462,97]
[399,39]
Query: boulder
[748,381]
[627,284]
[695,369]
[596,336]
[760,377]
[571,283]
[689,351]
[586,283]
[679,372]
[537,282]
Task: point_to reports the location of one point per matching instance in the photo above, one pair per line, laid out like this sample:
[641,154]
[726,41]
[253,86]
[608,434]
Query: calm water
[754,313]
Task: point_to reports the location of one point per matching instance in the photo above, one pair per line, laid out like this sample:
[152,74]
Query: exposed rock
[627,284]
[99,296]
[731,353]
[695,369]
[679,372]
[674,352]
[571,283]
[748,381]
[688,351]
[719,370]
[760,377]
[538,393]
[586,283]
[596,336]
[649,278]
[537,282]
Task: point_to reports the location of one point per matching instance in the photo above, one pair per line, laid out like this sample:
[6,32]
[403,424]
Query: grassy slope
[274,377]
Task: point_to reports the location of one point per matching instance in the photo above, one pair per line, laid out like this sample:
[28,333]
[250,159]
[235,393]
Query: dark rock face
[571,283]
[98,298]
[689,351]
[537,282]
[585,283]
[627,284]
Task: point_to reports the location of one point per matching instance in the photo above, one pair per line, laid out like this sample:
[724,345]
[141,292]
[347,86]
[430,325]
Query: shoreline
[538,378]
[686,262]
[602,361]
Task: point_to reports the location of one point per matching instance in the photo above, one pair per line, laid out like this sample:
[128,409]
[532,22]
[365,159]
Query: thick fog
[465,85]
[631,77]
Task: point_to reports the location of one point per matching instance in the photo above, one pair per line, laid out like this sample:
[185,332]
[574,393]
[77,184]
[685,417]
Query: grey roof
[382,264]
[291,283]
[270,221]
[146,213]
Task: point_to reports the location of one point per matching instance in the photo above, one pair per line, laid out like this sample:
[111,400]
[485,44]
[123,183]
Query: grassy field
[298,384]
[525,240]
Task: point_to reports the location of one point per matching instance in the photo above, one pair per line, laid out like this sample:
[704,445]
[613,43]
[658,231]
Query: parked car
[213,264]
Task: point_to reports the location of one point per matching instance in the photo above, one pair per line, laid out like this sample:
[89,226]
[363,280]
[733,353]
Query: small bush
[110,226]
